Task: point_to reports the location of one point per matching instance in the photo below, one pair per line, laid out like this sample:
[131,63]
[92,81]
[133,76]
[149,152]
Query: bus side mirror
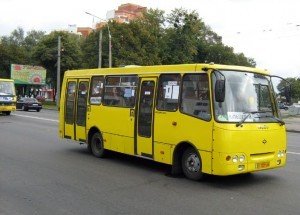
[220,90]
[287,93]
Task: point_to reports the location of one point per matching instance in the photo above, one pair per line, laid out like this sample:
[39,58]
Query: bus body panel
[174,128]
[259,143]
[116,125]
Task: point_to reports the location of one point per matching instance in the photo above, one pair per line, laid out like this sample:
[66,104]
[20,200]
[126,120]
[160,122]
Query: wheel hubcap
[193,163]
[97,145]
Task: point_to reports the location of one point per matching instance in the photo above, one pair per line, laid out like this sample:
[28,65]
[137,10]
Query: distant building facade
[124,14]
[84,31]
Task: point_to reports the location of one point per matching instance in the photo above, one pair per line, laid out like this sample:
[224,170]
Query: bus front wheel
[191,164]
[96,145]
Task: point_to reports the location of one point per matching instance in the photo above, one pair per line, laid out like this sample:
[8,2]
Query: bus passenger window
[195,96]
[168,92]
[120,91]
[70,102]
[96,90]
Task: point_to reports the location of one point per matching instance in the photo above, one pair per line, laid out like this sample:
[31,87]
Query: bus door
[76,108]
[144,125]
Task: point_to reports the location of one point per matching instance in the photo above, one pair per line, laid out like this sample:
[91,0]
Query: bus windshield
[7,88]
[248,98]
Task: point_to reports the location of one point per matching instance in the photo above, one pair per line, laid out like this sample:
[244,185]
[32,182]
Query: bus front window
[7,88]
[247,97]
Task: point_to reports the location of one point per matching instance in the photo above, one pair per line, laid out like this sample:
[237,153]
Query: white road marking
[294,153]
[34,117]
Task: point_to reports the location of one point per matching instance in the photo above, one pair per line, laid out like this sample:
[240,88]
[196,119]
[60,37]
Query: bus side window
[120,91]
[195,96]
[96,91]
[168,92]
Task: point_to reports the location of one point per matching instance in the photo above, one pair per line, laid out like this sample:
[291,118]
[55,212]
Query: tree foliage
[46,52]
[295,88]
[18,49]
[156,38]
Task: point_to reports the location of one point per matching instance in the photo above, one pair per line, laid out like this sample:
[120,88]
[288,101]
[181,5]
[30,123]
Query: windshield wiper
[277,119]
[245,117]
[256,112]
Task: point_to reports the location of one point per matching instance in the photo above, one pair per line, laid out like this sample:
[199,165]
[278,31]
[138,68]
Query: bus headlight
[280,154]
[242,158]
[235,159]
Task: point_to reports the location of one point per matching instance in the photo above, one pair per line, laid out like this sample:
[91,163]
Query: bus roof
[161,69]
[8,80]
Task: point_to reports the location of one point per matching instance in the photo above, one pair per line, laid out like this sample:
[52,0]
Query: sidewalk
[292,124]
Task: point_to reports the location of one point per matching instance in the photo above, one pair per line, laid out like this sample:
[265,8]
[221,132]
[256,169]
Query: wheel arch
[91,132]
[177,156]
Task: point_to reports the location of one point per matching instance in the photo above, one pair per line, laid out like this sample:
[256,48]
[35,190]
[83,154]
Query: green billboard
[26,74]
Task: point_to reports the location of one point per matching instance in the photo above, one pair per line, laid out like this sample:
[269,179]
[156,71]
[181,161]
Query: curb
[293,131]
[50,109]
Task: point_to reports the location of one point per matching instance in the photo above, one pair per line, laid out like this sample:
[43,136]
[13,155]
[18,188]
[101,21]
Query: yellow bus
[198,118]
[7,96]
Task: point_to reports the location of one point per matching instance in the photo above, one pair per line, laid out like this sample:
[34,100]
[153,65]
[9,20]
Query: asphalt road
[42,174]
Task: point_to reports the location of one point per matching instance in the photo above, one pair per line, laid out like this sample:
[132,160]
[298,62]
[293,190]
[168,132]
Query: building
[124,14]
[84,31]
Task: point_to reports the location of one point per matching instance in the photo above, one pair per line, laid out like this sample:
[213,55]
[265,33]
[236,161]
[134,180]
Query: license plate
[262,165]
[35,104]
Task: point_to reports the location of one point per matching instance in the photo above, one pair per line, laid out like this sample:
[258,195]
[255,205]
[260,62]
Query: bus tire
[96,145]
[191,164]
[7,113]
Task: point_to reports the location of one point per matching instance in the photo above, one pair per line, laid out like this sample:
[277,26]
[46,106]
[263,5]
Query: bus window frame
[236,70]
[74,102]
[135,95]
[91,89]
[209,94]
[158,87]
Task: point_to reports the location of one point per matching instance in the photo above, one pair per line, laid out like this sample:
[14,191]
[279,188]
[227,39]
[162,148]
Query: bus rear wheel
[96,145]
[191,164]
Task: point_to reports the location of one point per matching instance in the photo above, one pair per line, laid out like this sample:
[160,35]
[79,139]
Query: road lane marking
[34,117]
[294,153]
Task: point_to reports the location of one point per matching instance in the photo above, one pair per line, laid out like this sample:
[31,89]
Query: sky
[266,30]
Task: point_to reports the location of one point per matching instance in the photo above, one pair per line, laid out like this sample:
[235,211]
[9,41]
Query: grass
[49,105]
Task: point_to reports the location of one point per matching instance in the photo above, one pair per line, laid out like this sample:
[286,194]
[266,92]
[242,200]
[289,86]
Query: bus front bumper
[223,165]
[7,108]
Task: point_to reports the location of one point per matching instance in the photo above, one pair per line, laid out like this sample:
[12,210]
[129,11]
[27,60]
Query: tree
[11,51]
[181,37]
[138,42]
[30,42]
[17,49]
[295,88]
[45,53]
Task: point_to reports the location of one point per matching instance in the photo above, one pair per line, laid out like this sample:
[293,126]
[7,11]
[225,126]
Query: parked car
[283,106]
[29,104]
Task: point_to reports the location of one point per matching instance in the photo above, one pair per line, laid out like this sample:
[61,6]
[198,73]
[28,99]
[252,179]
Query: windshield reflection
[245,94]
[7,88]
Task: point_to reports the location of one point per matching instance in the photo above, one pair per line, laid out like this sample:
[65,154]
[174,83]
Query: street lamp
[100,41]
[57,99]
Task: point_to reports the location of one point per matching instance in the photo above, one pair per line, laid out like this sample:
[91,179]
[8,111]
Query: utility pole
[100,49]
[109,37]
[58,73]
[109,49]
